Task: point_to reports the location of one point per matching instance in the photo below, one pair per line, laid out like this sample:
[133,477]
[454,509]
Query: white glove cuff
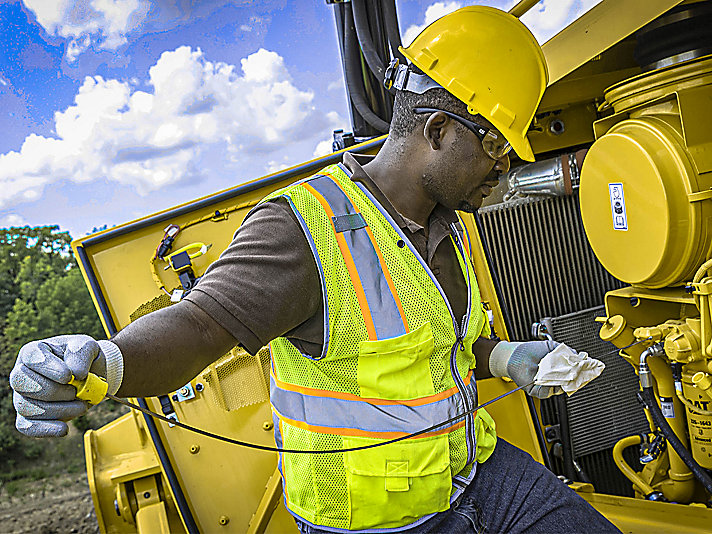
[114,365]
[499,358]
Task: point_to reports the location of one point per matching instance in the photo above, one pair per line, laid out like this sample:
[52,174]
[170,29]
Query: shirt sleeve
[266,283]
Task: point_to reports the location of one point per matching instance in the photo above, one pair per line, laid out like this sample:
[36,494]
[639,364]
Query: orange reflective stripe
[350,266]
[313,392]
[364,433]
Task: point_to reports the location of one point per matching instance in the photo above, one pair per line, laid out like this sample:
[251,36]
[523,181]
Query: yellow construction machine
[604,243]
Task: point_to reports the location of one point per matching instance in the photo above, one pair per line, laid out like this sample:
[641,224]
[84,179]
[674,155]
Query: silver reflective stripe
[386,317]
[343,414]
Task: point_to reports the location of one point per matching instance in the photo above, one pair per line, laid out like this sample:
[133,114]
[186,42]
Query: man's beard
[467,207]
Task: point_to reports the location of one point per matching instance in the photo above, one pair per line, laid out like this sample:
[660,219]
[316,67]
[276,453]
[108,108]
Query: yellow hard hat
[489,60]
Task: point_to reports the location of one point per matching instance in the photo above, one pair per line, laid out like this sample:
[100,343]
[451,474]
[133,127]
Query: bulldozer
[603,243]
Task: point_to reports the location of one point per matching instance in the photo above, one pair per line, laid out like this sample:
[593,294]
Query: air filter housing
[646,197]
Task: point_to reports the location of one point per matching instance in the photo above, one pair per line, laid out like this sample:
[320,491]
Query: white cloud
[12,219]
[276,166]
[323,148]
[549,17]
[432,13]
[148,140]
[103,23]
[336,85]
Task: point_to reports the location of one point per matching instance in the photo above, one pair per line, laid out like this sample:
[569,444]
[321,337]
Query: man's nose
[502,164]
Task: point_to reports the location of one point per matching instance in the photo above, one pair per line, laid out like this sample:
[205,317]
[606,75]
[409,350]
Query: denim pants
[511,493]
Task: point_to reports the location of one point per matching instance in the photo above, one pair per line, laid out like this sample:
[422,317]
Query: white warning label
[620,219]
[667,407]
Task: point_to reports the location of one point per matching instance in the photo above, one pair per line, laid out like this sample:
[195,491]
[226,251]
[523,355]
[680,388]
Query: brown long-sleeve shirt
[266,283]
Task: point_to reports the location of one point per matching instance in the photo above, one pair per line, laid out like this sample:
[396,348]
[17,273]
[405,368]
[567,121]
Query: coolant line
[298,451]
[645,488]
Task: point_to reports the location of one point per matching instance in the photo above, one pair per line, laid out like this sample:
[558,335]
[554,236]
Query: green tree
[42,294]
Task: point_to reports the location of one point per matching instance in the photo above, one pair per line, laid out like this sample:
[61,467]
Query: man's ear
[433,129]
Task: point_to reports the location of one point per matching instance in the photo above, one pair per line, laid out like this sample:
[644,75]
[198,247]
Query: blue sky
[115,109]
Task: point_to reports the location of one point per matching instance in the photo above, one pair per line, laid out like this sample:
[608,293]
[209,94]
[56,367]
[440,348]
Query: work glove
[42,396]
[520,362]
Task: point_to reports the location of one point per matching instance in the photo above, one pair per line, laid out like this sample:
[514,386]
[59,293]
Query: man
[360,278]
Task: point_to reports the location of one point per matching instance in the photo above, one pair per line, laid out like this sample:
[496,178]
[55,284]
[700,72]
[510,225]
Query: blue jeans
[511,493]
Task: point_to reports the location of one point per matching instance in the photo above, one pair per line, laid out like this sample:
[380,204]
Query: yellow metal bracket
[701,195]
[597,30]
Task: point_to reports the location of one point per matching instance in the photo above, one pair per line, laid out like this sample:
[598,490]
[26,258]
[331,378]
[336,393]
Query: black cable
[373,60]
[647,397]
[354,78]
[232,441]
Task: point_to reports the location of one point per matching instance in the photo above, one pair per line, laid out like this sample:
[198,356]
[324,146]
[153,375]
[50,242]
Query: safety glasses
[494,143]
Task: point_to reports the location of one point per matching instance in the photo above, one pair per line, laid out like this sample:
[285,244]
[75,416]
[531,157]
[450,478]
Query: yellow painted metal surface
[640,187]
[597,30]
[637,515]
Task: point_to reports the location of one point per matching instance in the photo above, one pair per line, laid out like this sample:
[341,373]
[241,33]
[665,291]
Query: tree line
[42,294]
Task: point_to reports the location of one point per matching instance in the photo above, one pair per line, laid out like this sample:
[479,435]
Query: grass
[48,459]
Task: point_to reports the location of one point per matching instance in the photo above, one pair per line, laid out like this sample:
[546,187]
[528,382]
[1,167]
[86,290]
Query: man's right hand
[43,398]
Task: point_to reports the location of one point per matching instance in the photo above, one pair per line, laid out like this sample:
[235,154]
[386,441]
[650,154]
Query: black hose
[393,30]
[352,69]
[373,60]
[648,398]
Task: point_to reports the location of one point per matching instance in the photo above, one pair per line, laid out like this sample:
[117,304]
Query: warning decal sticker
[620,219]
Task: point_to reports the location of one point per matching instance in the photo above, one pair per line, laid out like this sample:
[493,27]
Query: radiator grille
[542,259]
[607,409]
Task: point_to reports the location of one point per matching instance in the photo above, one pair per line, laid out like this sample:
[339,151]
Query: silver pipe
[559,176]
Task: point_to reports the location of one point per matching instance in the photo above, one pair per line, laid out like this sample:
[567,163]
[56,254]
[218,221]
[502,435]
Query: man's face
[462,174]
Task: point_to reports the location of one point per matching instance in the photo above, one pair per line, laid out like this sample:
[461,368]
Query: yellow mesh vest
[394,362]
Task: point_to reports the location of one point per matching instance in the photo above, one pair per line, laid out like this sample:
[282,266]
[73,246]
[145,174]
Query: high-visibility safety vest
[395,361]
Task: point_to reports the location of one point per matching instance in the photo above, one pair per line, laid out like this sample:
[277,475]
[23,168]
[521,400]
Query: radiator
[547,272]
[542,260]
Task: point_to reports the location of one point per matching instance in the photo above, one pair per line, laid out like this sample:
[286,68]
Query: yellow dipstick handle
[93,389]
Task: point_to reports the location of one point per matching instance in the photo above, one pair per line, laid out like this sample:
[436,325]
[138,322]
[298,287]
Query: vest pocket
[397,368]
[397,484]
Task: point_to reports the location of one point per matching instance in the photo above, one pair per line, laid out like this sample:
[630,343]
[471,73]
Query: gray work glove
[520,362]
[42,397]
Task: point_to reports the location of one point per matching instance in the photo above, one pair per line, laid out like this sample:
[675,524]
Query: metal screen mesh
[542,259]
[607,409]
[238,379]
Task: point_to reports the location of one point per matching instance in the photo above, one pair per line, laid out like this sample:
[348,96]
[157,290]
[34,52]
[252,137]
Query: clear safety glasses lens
[495,145]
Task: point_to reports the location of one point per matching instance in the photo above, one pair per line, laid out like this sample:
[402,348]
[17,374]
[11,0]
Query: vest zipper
[461,333]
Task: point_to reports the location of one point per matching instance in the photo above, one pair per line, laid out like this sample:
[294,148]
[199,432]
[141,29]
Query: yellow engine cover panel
[637,190]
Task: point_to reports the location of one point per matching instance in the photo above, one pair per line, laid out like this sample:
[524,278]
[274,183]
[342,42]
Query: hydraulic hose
[352,70]
[373,60]
[648,398]
[393,30]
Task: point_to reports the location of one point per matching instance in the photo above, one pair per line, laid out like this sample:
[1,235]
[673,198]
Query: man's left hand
[520,362]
